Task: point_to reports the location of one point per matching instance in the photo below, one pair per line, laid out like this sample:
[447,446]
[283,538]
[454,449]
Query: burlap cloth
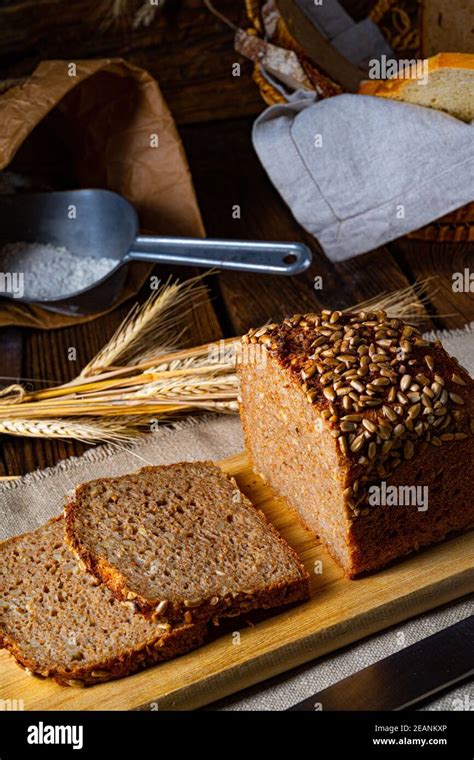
[29,501]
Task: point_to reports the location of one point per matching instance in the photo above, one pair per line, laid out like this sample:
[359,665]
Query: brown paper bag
[94,129]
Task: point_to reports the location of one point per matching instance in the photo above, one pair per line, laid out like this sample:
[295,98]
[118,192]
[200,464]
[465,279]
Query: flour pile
[47,271]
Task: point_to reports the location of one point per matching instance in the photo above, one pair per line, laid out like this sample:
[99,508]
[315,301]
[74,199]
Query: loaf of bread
[338,408]
[449,85]
[58,621]
[447,27]
[183,543]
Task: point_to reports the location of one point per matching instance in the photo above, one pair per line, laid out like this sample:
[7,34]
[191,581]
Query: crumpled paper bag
[93,129]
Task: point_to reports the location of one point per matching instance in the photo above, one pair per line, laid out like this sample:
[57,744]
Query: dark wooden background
[191,55]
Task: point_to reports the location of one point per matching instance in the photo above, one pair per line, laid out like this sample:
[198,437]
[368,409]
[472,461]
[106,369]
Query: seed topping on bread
[383,389]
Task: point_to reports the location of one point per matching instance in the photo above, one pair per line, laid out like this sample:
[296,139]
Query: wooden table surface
[191,55]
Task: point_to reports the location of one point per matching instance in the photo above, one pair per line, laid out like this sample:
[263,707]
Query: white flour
[47,271]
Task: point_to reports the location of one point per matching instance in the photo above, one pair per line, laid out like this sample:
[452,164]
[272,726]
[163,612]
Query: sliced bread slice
[58,621]
[449,85]
[183,543]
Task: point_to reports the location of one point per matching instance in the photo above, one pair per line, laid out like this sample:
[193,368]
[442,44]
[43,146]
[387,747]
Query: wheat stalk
[136,377]
[80,430]
[157,325]
[407,303]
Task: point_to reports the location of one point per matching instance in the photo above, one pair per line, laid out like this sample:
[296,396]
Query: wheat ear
[407,303]
[153,327]
[88,431]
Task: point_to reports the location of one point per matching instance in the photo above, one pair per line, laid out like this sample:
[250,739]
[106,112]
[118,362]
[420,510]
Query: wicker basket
[399,22]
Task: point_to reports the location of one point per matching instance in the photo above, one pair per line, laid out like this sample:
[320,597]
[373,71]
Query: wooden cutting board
[340,611]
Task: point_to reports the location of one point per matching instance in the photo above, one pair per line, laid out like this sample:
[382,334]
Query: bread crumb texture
[57,620]
[183,544]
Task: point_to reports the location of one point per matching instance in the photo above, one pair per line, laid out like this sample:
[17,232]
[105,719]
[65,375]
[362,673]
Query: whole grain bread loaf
[58,621]
[183,544]
[338,408]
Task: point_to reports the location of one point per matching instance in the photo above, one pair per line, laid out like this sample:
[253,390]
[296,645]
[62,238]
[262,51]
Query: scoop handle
[238,255]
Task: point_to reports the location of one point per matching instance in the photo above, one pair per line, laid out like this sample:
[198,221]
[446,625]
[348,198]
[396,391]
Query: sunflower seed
[414,411]
[329,394]
[422,379]
[318,342]
[405,382]
[402,398]
[458,379]
[429,362]
[346,403]
[369,425]
[342,444]
[457,399]
[389,413]
[308,372]
[348,427]
[343,391]
[357,443]
[398,430]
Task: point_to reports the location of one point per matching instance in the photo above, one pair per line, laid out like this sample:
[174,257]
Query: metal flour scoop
[104,224]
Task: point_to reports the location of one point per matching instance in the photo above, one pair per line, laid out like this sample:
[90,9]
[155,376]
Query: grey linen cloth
[28,502]
[358,171]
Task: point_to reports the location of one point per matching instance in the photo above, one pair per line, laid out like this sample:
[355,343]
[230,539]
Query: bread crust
[157,648]
[391,88]
[229,605]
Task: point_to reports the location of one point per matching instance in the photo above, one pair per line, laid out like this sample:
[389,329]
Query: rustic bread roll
[58,621]
[334,404]
[183,543]
[449,86]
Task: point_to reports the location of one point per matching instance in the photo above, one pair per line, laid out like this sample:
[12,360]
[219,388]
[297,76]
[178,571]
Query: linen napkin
[358,171]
